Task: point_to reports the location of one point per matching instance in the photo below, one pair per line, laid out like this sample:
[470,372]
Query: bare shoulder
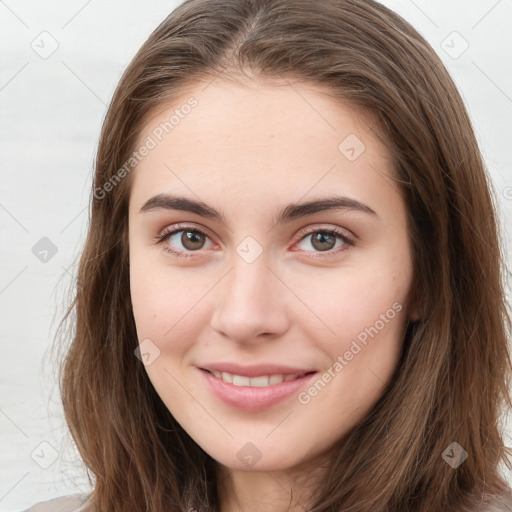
[70,503]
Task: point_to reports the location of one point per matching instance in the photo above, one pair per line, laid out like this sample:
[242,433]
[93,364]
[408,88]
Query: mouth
[254,394]
[261,381]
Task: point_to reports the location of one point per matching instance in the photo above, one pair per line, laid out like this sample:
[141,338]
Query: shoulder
[500,500]
[70,503]
[500,504]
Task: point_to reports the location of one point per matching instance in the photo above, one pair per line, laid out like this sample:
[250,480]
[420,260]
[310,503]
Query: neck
[253,491]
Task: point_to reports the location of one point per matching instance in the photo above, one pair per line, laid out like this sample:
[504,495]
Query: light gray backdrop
[59,65]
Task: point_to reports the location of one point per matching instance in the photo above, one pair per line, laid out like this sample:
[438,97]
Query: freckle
[154,316]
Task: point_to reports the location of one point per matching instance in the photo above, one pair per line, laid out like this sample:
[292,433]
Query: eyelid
[169,231]
[348,239]
[342,233]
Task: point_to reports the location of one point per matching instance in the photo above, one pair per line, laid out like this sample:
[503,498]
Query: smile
[259,382]
[254,393]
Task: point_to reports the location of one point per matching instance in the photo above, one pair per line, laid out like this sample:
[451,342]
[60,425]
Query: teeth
[275,379]
[259,382]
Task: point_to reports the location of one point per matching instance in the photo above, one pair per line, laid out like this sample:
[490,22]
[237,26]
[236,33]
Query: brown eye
[323,241]
[183,241]
[192,240]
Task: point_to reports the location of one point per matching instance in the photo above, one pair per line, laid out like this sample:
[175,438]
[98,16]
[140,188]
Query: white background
[51,114]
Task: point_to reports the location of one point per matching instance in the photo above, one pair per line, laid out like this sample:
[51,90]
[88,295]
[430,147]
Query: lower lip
[251,398]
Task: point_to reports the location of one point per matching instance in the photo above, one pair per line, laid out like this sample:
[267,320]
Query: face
[267,328]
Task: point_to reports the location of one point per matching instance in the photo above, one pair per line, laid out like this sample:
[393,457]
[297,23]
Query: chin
[248,456]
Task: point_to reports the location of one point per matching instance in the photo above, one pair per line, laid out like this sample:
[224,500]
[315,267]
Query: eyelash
[166,234]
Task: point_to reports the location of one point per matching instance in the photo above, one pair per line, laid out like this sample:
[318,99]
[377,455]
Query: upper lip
[255,370]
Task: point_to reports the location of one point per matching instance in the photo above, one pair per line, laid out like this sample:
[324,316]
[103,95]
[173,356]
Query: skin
[249,150]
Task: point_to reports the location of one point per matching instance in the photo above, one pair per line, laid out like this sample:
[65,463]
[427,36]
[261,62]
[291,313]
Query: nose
[251,303]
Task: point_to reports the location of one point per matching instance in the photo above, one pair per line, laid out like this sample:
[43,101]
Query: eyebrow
[288,213]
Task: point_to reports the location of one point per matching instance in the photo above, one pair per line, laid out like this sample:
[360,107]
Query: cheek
[348,304]
[363,315]
[166,303]
[362,338]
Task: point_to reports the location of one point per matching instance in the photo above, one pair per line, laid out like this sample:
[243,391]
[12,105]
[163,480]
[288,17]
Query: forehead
[250,140]
[256,113]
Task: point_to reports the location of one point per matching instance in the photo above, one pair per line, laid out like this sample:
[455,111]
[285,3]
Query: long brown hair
[452,380]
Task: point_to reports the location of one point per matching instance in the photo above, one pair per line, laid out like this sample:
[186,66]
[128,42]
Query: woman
[290,297]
